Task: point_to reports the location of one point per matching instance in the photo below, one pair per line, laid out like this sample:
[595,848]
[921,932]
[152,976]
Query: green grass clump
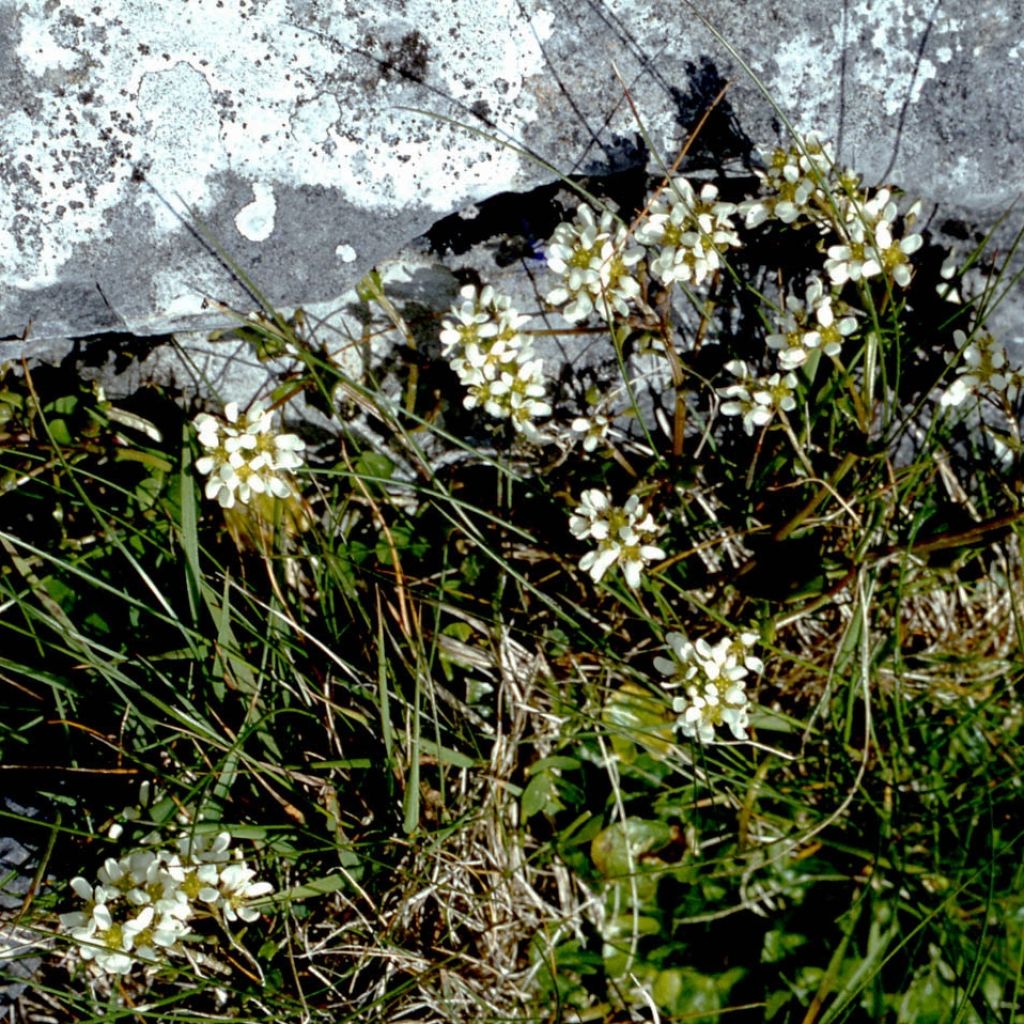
[679,682]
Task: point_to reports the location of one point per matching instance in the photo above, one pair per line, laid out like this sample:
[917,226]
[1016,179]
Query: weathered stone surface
[309,137]
[18,947]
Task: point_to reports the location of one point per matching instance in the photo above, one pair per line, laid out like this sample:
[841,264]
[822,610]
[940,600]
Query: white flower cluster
[140,908]
[808,324]
[690,230]
[984,368]
[869,245]
[756,399]
[798,184]
[245,456]
[803,183]
[595,260]
[623,535]
[713,679]
[494,360]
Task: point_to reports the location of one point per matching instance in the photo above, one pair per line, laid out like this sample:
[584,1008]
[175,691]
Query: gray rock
[18,960]
[303,141]
[18,946]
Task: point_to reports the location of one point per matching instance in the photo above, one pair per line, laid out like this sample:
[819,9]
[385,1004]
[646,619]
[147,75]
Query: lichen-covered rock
[146,146]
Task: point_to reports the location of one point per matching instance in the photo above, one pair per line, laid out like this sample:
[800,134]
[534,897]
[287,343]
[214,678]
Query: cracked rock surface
[304,141]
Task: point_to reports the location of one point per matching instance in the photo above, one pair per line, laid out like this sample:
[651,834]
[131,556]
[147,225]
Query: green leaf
[541,794]
[636,717]
[685,993]
[375,466]
[446,755]
[318,887]
[557,761]
[59,431]
[404,540]
[616,850]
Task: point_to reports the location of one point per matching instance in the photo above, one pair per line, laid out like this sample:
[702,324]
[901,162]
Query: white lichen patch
[315,119]
[255,220]
[799,61]
[38,51]
[345,253]
[897,32]
[895,77]
[179,142]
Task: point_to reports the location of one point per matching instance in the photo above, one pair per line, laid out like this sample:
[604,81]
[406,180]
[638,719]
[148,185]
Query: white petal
[603,561]
[82,887]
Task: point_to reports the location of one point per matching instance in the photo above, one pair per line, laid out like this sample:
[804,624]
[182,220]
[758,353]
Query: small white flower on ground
[595,260]
[947,289]
[689,232]
[740,400]
[983,368]
[623,536]
[237,888]
[854,260]
[757,399]
[895,254]
[244,456]
[713,680]
[594,427]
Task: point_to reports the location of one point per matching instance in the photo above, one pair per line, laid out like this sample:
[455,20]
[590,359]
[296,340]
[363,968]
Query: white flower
[894,254]
[689,230]
[594,427]
[244,456]
[757,400]
[776,392]
[205,848]
[237,888]
[589,520]
[854,260]
[983,368]
[797,335]
[595,260]
[946,288]
[623,536]
[713,680]
[740,401]
[141,908]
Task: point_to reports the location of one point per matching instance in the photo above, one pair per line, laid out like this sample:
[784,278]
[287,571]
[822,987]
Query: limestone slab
[146,148]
